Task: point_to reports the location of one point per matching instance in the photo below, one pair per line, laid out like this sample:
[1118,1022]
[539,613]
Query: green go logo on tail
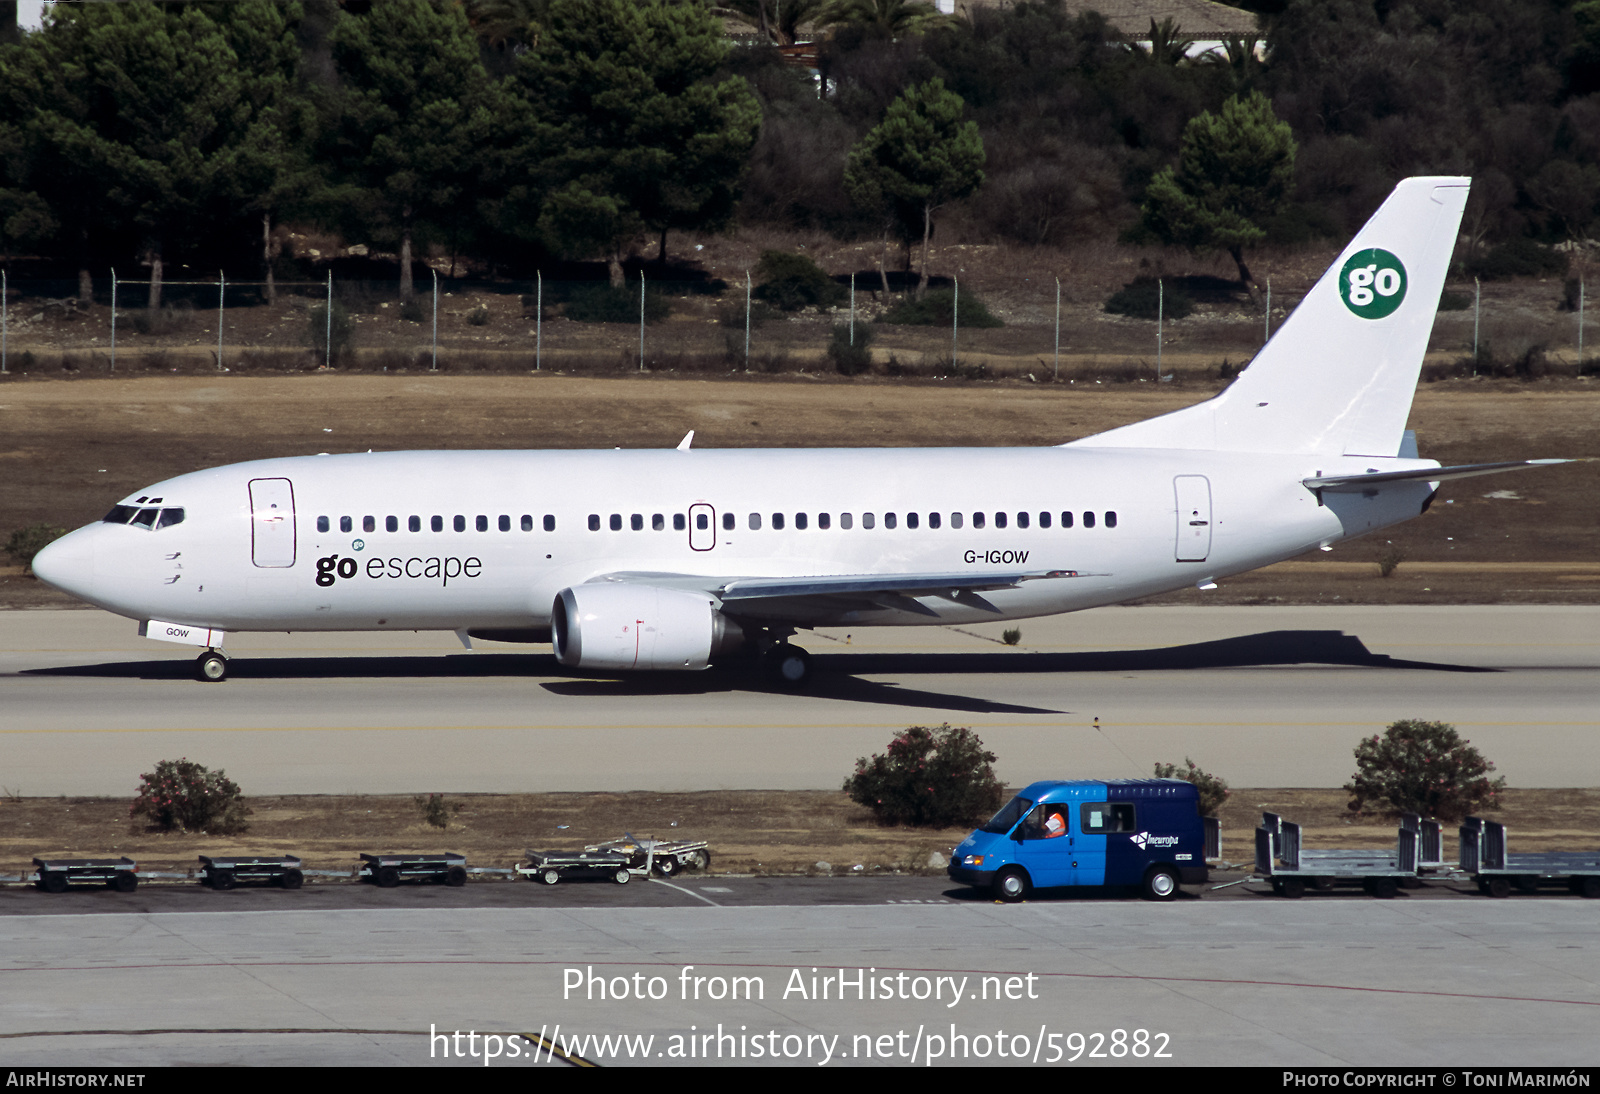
[1372,283]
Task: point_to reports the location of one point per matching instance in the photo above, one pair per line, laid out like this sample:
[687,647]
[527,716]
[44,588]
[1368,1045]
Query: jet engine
[622,626]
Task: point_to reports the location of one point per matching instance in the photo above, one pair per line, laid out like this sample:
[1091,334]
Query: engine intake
[623,626]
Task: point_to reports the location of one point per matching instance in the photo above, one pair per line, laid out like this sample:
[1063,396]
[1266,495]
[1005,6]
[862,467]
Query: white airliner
[669,559]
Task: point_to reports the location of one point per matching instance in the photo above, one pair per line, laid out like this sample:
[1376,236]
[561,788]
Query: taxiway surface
[1273,696]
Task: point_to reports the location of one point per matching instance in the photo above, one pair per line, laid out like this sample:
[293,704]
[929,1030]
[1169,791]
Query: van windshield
[1005,820]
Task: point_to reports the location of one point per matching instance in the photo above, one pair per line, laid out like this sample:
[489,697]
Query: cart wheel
[1497,887]
[1322,884]
[291,879]
[621,876]
[1293,888]
[455,877]
[53,881]
[125,882]
[1527,883]
[1384,888]
[222,879]
[388,877]
[666,867]
[700,860]
[550,877]
[1587,886]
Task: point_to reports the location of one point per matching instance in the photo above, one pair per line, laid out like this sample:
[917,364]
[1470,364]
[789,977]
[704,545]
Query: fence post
[222,282]
[641,320]
[1477,301]
[1161,312]
[113,319]
[327,341]
[1055,375]
[1266,320]
[435,366]
[5,306]
[1580,324]
[852,308]
[747,320]
[538,321]
[955,321]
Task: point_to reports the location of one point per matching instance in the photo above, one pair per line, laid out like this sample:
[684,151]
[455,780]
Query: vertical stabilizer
[1338,376]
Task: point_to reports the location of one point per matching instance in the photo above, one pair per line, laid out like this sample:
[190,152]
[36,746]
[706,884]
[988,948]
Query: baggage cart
[663,857]
[226,871]
[1484,859]
[1292,870]
[387,871]
[55,874]
[551,866]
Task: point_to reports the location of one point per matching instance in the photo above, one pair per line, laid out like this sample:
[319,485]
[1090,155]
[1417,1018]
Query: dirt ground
[70,448]
[750,832]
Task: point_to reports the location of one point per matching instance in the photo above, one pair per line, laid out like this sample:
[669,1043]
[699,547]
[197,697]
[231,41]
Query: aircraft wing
[1426,474]
[791,597]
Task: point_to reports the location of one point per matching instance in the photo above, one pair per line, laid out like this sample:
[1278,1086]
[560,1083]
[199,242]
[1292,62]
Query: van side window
[1106,817]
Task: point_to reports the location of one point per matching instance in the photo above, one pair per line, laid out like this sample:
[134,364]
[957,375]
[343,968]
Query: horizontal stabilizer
[1425,474]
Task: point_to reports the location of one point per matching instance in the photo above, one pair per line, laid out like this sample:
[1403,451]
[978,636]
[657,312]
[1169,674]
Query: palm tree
[889,18]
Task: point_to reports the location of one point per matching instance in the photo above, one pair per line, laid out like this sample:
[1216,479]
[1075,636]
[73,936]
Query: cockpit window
[144,517]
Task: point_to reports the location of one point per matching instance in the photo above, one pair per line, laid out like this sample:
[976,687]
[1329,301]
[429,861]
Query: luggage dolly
[55,874]
[387,871]
[551,866]
[225,872]
[664,857]
[1280,860]
[1484,860]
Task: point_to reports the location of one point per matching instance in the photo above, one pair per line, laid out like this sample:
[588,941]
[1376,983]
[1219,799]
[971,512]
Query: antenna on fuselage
[688,438]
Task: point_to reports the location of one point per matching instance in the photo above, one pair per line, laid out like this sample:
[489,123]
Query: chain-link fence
[710,326]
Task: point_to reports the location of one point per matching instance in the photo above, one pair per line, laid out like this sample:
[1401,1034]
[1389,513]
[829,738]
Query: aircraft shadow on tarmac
[836,674]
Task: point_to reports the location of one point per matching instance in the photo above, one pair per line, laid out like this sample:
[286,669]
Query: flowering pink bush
[183,796]
[931,777]
[1426,768]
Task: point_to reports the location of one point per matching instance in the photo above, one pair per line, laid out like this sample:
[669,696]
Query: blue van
[1144,832]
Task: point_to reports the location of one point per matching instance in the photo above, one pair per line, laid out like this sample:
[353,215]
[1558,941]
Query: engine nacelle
[621,626]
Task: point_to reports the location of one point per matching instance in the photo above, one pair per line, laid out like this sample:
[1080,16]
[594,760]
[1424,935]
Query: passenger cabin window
[955,520]
[616,522]
[1066,520]
[370,524]
[1044,520]
[483,523]
[868,520]
[1022,520]
[527,522]
[322,524]
[346,524]
[414,523]
[777,522]
[846,521]
[594,522]
[505,523]
[636,522]
[437,524]
[911,520]
[1088,520]
[658,522]
[549,522]
[679,522]
[824,521]
[728,521]
[391,524]
[999,520]
[755,522]
[1111,519]
[933,520]
[890,520]
[977,520]
[800,522]
[460,523]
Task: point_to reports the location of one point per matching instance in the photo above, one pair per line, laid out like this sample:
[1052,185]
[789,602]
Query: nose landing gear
[211,667]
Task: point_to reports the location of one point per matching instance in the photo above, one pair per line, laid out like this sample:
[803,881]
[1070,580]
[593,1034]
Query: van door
[272,530]
[1046,848]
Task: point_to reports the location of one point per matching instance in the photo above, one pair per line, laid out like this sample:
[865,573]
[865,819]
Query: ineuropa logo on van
[1372,283]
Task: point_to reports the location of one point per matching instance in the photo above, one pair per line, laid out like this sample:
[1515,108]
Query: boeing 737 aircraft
[670,559]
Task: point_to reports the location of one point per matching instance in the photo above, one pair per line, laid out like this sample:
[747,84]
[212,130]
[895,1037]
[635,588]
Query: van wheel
[1011,885]
[1160,883]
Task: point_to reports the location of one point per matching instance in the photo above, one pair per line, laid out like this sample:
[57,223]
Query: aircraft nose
[68,563]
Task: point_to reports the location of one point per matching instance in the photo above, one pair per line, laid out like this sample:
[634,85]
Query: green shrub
[434,810]
[1213,790]
[341,332]
[411,311]
[792,282]
[1011,635]
[1425,768]
[1142,298]
[183,796]
[1454,301]
[931,777]
[603,304]
[848,359]
[479,316]
[937,308]
[27,542]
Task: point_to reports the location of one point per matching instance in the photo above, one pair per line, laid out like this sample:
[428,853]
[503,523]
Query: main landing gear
[785,665]
[212,666]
